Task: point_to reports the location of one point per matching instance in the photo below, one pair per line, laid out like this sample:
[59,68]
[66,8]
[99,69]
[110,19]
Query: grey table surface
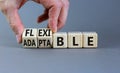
[102,16]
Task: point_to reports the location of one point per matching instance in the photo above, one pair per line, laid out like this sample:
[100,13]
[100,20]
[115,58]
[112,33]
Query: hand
[55,11]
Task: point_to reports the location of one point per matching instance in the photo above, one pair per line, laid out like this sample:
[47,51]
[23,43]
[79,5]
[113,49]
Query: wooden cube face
[74,40]
[29,38]
[60,40]
[90,39]
[44,38]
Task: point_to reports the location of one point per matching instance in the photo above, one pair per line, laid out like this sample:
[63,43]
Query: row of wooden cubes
[44,38]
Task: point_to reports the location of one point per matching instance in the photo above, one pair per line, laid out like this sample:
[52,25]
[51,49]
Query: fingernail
[18,39]
[54,29]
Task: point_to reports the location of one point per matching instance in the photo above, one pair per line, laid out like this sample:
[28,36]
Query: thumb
[15,23]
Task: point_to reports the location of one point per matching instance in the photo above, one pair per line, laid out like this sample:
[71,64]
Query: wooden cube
[60,40]
[44,38]
[29,38]
[74,40]
[90,39]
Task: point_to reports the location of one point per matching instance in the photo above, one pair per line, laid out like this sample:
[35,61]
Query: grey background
[102,16]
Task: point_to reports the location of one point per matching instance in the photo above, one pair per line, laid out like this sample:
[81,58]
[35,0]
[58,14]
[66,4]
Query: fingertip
[19,39]
[19,36]
[54,29]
